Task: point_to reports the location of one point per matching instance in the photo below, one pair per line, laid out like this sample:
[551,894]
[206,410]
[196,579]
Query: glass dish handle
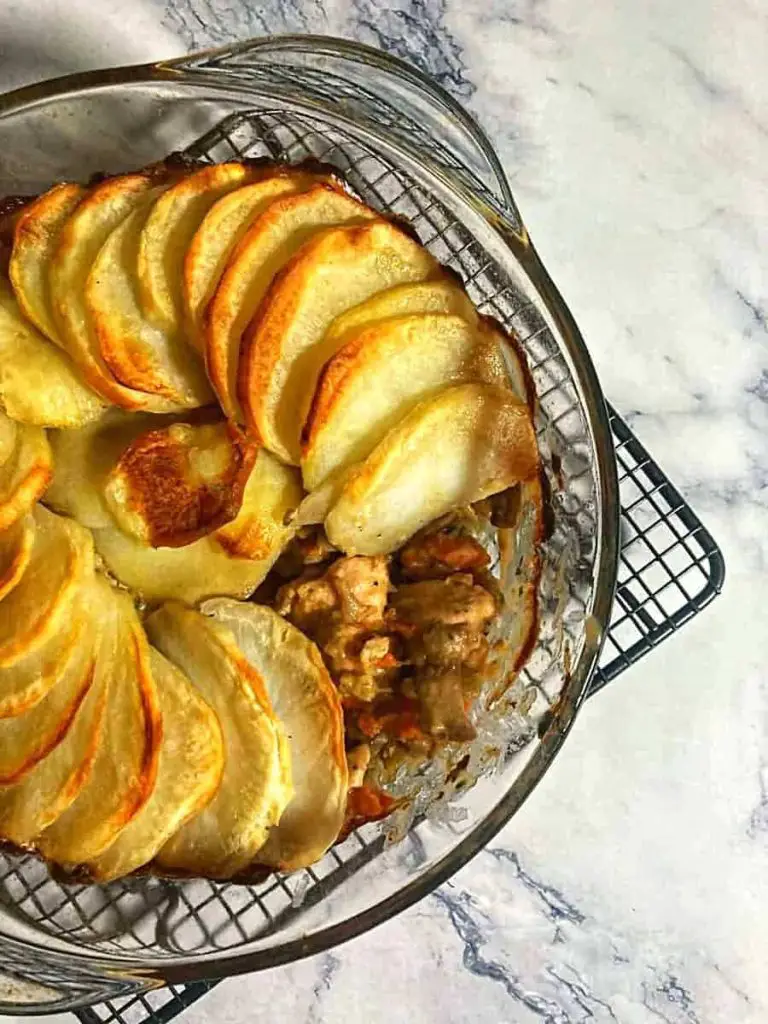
[362,83]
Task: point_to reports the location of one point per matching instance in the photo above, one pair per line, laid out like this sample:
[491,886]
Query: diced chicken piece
[362,584]
[453,601]
[442,707]
[441,554]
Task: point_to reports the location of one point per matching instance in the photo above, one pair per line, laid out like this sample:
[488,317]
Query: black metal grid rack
[670,569]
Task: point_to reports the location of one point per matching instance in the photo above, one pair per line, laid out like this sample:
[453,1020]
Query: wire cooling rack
[670,568]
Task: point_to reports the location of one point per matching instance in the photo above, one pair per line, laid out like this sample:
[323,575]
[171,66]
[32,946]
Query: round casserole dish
[413,152]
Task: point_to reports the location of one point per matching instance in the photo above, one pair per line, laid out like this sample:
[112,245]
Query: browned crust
[48,743]
[17,565]
[155,470]
[25,494]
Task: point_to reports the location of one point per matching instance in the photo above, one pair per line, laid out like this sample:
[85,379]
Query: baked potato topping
[252,434]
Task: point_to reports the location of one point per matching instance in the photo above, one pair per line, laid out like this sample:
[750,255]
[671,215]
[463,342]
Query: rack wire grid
[670,568]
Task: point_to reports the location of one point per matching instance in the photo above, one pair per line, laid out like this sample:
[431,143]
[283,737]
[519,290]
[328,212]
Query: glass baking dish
[410,150]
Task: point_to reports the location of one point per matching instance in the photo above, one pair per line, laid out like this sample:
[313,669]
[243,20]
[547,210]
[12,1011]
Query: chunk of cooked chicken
[341,611]
[434,555]
[454,601]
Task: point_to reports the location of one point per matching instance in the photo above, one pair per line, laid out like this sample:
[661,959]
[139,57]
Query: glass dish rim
[192,70]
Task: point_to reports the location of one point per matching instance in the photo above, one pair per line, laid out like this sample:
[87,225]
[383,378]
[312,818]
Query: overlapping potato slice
[189,773]
[62,556]
[453,449]
[270,241]
[138,353]
[259,530]
[443,295]
[78,245]
[30,806]
[125,769]
[380,374]
[39,384]
[25,468]
[83,459]
[284,349]
[191,573]
[307,703]
[172,486]
[16,545]
[232,562]
[256,784]
[27,681]
[35,239]
[220,231]
[167,233]
[26,738]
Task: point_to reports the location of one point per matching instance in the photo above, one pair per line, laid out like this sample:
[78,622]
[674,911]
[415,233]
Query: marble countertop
[632,888]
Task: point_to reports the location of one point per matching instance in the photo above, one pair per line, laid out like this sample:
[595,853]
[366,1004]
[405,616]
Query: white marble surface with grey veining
[633,886]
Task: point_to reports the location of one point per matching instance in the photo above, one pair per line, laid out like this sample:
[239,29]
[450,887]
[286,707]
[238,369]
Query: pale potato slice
[62,557]
[259,531]
[189,774]
[25,471]
[191,573]
[270,241]
[172,486]
[27,681]
[39,384]
[26,738]
[284,349]
[443,295]
[29,807]
[220,231]
[380,374]
[256,784]
[16,545]
[466,443]
[307,703]
[35,238]
[125,769]
[138,353]
[166,236]
[83,460]
[79,243]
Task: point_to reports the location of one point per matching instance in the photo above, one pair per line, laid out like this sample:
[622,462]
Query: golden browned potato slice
[307,703]
[172,486]
[16,545]
[166,236]
[79,243]
[256,784]
[138,353]
[26,682]
[26,738]
[380,374]
[25,470]
[259,531]
[33,804]
[220,231]
[39,384]
[188,776]
[285,349]
[35,238]
[466,443]
[36,608]
[83,459]
[269,242]
[443,295]
[125,769]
